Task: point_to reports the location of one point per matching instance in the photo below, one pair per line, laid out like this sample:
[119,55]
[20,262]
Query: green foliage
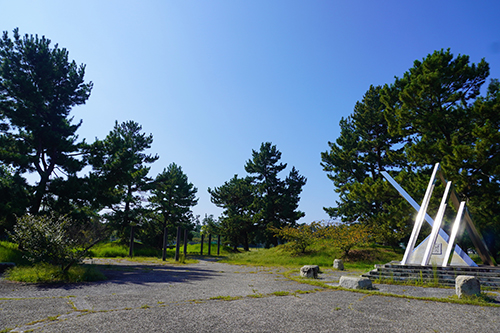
[432,114]
[38,88]
[276,201]
[321,253]
[345,236]
[15,198]
[9,252]
[299,237]
[51,239]
[116,249]
[209,225]
[47,273]
[354,164]
[120,173]
[172,197]
[236,224]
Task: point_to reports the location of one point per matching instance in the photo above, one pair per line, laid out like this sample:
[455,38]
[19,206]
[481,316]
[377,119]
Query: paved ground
[216,297]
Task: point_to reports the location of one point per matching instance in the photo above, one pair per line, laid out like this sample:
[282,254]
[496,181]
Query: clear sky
[212,80]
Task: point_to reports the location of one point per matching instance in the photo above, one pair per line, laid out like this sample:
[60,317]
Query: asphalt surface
[215,297]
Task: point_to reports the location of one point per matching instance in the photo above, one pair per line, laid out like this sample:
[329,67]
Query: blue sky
[212,80]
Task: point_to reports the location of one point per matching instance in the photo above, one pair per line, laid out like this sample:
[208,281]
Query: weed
[145,306]
[305,291]
[182,258]
[255,295]
[225,298]
[435,276]
[481,299]
[281,293]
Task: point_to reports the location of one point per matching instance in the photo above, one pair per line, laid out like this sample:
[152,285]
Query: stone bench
[338,264]
[353,282]
[467,285]
[309,271]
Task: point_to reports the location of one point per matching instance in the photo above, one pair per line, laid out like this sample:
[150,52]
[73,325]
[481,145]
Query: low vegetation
[47,273]
[321,252]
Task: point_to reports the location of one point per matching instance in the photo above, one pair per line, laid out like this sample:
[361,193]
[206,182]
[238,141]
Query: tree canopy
[172,197]
[38,88]
[255,205]
[434,113]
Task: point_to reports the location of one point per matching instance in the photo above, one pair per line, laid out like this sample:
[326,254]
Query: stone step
[488,276]
[403,272]
[445,281]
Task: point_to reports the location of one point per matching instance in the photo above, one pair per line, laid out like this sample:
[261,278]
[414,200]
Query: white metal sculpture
[412,253]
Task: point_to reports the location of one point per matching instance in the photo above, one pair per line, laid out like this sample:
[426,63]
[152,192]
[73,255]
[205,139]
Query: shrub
[345,236]
[299,238]
[52,239]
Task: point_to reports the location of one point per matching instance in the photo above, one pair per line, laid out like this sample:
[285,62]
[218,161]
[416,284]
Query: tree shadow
[139,274]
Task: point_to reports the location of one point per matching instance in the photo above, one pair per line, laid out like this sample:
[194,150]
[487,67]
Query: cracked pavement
[210,296]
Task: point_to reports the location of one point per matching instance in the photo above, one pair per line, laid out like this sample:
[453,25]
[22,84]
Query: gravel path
[215,297]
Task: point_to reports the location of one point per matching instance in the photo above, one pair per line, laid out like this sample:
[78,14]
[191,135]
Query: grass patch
[482,300]
[225,298]
[305,291]
[10,253]
[321,254]
[150,260]
[433,283]
[281,293]
[119,250]
[46,273]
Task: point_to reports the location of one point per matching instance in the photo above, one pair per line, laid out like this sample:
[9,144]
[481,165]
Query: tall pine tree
[276,201]
[38,88]
[354,163]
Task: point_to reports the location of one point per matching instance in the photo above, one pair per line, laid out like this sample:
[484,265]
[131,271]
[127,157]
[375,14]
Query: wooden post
[177,244]
[164,252]
[209,244]
[131,245]
[185,242]
[218,244]
[202,236]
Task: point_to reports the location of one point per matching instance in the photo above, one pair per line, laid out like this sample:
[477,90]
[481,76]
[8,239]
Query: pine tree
[354,163]
[120,174]
[235,197]
[171,200]
[38,88]
[276,201]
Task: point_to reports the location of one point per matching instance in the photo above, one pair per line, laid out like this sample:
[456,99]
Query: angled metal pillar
[474,235]
[435,228]
[420,216]
[454,231]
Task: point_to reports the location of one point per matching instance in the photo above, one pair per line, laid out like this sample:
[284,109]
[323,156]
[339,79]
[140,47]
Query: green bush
[51,239]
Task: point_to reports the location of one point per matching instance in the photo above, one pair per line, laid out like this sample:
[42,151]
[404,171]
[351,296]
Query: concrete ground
[215,297]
